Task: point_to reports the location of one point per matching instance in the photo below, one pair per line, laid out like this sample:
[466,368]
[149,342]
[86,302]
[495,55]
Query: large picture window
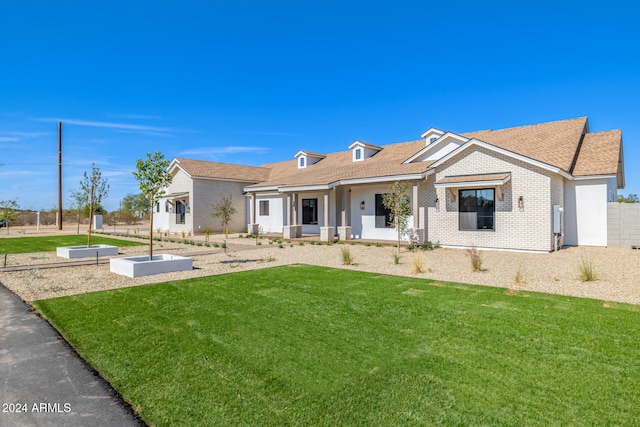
[477,209]
[383,215]
[264,208]
[310,211]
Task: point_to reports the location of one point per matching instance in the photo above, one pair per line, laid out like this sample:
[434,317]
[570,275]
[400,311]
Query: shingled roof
[565,144]
[204,169]
[554,143]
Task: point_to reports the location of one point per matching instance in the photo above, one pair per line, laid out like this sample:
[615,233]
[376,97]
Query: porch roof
[487,179]
[174,196]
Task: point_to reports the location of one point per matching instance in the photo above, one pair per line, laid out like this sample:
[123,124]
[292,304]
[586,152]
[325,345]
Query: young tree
[224,211]
[398,202]
[94,188]
[135,203]
[153,177]
[8,211]
[631,198]
[78,199]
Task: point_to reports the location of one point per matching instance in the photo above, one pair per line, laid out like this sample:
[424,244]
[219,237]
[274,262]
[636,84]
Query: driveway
[43,382]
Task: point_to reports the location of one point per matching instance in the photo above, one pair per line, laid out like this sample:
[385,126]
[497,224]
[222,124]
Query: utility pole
[59,175]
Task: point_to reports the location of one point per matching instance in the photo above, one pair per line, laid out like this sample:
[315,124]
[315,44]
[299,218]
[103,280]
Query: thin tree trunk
[78,231]
[151,231]
[90,220]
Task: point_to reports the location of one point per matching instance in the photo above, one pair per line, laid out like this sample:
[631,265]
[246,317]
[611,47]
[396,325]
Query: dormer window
[432,135]
[361,151]
[307,158]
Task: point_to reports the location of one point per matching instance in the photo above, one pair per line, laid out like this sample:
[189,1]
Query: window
[310,211]
[180,212]
[157,206]
[301,162]
[166,206]
[383,215]
[433,140]
[264,207]
[358,154]
[477,209]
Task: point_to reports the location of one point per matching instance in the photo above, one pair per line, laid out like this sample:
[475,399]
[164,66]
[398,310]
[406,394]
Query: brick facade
[526,228]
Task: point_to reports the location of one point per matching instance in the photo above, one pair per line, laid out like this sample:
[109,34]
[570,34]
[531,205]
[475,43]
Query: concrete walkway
[43,382]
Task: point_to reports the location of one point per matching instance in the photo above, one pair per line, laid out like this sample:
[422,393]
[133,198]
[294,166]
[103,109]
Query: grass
[302,345]
[21,245]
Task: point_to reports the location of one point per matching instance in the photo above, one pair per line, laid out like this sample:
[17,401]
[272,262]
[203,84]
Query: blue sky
[253,82]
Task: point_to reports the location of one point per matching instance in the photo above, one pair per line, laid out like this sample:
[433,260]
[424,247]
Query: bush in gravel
[476,258]
[518,279]
[347,258]
[418,265]
[396,259]
[587,270]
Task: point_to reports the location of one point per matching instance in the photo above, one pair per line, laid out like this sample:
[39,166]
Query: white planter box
[84,251]
[141,266]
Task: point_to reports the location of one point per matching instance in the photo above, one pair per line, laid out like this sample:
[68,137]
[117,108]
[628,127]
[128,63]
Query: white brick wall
[529,228]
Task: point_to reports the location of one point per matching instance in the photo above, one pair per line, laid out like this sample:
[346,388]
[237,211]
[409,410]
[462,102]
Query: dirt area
[617,270]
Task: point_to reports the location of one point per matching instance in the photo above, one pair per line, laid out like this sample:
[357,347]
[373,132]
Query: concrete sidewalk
[43,382]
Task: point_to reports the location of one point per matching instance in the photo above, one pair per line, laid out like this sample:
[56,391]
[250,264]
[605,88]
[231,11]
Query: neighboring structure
[530,188]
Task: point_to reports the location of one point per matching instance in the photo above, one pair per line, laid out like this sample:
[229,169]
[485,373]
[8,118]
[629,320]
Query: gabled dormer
[307,158]
[432,135]
[362,150]
[438,145]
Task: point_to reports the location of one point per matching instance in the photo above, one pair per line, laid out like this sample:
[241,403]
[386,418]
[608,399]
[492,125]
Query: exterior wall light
[362,205]
[437,202]
[521,202]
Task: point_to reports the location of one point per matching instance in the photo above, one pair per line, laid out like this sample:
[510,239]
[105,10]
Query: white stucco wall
[586,212]
[271,223]
[363,222]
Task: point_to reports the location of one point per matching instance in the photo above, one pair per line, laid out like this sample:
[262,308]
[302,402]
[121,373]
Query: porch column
[288,217]
[253,228]
[326,232]
[291,229]
[295,208]
[344,231]
[418,231]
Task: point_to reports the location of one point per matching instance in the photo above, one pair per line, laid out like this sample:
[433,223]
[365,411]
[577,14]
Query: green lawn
[307,345]
[22,245]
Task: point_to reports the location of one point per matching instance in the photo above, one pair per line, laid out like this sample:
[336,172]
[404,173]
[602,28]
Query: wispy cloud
[233,149]
[135,116]
[109,125]
[9,139]
[293,135]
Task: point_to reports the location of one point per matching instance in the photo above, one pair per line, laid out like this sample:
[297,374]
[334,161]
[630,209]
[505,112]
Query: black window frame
[383,214]
[476,209]
[310,211]
[264,208]
[181,212]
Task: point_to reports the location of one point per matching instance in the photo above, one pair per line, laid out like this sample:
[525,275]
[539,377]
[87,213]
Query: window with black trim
[157,206]
[477,209]
[310,211]
[383,214]
[264,207]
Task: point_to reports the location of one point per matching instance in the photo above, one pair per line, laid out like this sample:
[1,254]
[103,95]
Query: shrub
[301,243]
[347,258]
[518,279]
[367,243]
[379,245]
[411,247]
[476,258]
[396,259]
[587,270]
[418,265]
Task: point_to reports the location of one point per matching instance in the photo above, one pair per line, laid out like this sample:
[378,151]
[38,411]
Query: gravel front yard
[618,270]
